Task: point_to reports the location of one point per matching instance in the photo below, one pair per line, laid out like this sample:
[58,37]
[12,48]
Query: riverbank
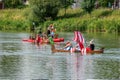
[14,20]
[100,20]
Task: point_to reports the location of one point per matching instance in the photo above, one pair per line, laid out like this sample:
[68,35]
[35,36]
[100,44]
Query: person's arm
[69,44]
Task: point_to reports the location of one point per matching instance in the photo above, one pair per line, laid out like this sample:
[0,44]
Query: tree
[88,5]
[66,3]
[42,9]
[13,3]
[105,3]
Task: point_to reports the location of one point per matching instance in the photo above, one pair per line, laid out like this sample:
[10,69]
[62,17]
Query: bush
[41,10]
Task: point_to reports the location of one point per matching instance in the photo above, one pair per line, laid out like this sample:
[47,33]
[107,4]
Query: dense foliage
[88,5]
[14,20]
[66,3]
[43,9]
[105,3]
[45,12]
[46,9]
[13,3]
[100,20]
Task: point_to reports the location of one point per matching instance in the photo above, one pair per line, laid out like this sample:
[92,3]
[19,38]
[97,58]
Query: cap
[91,41]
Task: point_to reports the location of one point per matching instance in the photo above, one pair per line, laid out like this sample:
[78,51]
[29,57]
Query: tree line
[13,3]
[41,10]
[65,3]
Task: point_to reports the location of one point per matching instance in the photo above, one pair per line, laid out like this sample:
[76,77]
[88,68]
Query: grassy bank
[100,20]
[13,20]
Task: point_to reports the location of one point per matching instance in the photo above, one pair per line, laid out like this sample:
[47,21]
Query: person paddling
[32,31]
[68,46]
[38,39]
[92,46]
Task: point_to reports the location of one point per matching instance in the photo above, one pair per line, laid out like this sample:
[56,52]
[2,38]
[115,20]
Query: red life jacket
[88,49]
[38,39]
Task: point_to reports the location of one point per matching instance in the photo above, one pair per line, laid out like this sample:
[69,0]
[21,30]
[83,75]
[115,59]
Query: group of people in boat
[51,32]
[42,37]
[69,46]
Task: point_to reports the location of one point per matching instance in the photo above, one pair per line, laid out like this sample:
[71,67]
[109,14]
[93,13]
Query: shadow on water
[26,61]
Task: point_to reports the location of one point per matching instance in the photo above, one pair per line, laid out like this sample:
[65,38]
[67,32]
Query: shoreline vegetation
[100,20]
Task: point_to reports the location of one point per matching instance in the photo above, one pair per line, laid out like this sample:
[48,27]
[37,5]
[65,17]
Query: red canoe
[55,40]
[28,40]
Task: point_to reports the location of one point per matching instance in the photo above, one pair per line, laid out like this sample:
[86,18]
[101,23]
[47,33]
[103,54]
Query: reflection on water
[9,47]
[9,66]
[108,69]
[25,61]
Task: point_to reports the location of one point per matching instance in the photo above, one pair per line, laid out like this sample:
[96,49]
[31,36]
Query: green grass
[100,20]
[13,19]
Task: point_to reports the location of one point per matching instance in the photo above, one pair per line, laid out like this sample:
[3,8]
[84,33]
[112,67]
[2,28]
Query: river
[25,61]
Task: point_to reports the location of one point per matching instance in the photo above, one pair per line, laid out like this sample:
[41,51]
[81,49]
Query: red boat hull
[55,40]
